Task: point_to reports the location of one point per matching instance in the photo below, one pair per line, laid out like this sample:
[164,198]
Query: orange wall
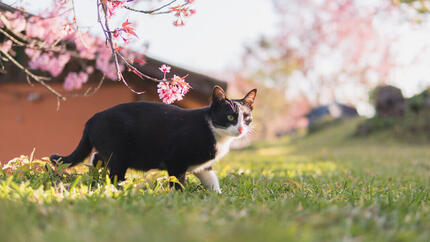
[25,125]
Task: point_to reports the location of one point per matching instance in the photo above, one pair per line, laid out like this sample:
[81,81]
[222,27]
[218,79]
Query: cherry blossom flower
[113,5]
[181,83]
[168,93]
[172,91]
[178,23]
[89,69]
[5,46]
[74,80]
[182,12]
[32,53]
[87,45]
[165,69]
[50,63]
[16,21]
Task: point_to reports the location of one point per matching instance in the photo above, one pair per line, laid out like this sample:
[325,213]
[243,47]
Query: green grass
[324,187]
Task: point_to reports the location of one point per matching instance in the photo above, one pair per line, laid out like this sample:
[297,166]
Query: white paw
[217,190]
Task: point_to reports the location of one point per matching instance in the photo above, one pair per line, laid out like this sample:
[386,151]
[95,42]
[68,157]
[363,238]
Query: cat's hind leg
[209,179]
[118,167]
[97,158]
[180,175]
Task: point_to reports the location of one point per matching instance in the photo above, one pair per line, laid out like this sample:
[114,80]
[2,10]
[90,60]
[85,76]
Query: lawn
[327,186]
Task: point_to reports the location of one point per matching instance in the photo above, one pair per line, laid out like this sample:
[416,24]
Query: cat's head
[231,117]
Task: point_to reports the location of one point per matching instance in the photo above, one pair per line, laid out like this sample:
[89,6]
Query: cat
[147,135]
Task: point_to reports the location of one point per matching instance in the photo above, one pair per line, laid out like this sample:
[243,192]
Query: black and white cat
[146,135]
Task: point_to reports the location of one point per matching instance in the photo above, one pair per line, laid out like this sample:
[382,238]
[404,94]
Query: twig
[138,72]
[11,37]
[28,80]
[154,10]
[36,44]
[87,93]
[109,40]
[108,35]
[2,70]
[84,43]
[39,79]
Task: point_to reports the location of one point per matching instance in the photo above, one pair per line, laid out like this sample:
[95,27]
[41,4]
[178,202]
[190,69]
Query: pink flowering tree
[329,49]
[325,51]
[51,39]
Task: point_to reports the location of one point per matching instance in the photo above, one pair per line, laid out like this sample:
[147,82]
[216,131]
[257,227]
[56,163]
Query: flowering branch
[47,41]
[24,41]
[39,79]
[180,87]
[108,35]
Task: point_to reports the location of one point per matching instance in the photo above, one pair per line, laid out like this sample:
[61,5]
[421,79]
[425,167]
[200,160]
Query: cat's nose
[240,129]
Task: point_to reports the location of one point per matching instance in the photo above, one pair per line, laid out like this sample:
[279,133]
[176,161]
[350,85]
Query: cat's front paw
[217,190]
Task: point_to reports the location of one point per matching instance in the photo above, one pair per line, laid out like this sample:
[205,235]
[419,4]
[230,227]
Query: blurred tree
[329,46]
[329,50]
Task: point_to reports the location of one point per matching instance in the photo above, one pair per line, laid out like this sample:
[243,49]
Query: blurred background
[314,62]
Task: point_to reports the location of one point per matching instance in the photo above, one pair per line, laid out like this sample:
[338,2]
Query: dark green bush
[413,127]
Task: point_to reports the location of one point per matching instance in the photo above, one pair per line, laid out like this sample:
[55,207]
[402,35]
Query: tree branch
[39,79]
[154,11]
[108,35]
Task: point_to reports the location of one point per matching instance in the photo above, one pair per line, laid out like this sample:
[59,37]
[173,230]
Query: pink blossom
[32,53]
[49,30]
[179,23]
[50,63]
[86,45]
[181,12]
[17,22]
[5,46]
[35,30]
[105,64]
[165,69]
[75,80]
[181,83]
[89,69]
[169,92]
[113,5]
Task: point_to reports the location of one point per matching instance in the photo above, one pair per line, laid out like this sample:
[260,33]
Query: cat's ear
[249,98]
[218,94]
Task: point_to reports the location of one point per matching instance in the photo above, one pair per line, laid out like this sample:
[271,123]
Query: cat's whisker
[251,129]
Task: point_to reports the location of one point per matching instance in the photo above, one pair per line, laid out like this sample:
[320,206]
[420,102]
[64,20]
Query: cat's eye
[230,117]
[248,118]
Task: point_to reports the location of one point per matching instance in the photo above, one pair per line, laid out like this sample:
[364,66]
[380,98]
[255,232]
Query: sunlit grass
[327,186]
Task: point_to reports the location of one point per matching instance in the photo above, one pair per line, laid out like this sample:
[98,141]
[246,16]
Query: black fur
[145,135]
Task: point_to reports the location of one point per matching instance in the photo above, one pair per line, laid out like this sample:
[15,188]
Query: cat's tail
[78,155]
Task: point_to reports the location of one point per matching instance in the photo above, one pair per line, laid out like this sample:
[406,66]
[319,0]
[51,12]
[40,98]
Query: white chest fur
[222,147]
